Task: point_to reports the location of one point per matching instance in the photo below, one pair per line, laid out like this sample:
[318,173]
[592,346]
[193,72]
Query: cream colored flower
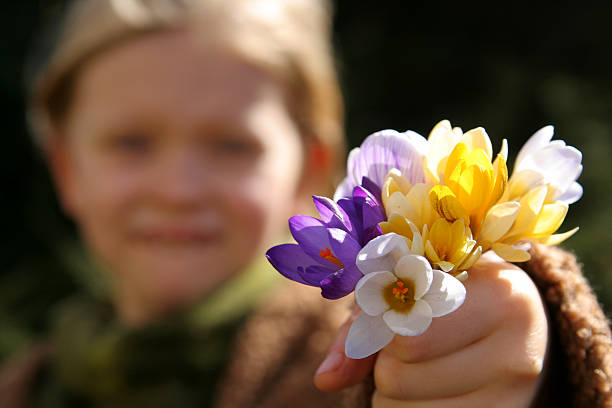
[448,245]
[399,294]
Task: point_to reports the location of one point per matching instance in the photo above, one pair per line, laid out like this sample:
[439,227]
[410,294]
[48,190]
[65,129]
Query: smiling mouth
[179,236]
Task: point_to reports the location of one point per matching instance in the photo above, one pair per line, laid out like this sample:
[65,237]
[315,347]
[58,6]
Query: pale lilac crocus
[544,161]
[379,153]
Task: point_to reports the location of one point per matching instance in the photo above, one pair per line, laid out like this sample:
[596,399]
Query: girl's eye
[235,146]
[133,143]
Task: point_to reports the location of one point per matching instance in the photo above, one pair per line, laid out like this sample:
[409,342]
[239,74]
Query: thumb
[338,371]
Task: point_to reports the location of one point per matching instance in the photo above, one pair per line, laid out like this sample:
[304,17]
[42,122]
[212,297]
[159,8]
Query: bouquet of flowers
[414,214]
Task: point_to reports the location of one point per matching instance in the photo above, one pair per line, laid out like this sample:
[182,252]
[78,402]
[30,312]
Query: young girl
[181,136]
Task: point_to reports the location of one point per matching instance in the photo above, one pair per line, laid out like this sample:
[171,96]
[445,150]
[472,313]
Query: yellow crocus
[535,219]
[403,226]
[449,246]
[442,140]
[399,196]
[472,185]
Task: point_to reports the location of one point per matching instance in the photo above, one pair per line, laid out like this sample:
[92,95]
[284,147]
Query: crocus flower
[442,140]
[399,294]
[472,185]
[532,219]
[363,209]
[326,248]
[448,246]
[535,201]
[379,153]
[544,162]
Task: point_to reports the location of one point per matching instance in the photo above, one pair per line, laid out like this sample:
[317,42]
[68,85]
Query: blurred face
[178,164]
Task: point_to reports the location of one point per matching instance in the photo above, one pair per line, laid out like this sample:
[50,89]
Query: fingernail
[331,363]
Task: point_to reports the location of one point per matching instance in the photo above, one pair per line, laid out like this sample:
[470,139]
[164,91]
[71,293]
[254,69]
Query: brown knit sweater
[279,350]
[582,344]
[280,347]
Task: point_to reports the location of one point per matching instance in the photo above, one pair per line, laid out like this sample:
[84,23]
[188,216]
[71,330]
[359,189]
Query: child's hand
[490,352]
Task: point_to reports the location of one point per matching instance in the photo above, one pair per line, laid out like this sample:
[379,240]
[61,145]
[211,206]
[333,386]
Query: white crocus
[399,294]
[544,162]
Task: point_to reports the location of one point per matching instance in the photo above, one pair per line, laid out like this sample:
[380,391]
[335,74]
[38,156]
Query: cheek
[103,188]
[102,198]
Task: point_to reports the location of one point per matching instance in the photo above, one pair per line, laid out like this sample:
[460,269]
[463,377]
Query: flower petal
[498,221]
[369,292]
[572,194]
[478,139]
[441,140]
[412,323]
[556,238]
[393,183]
[444,201]
[538,140]
[315,274]
[310,233]
[373,188]
[550,218]
[531,205]
[503,152]
[385,150]
[343,246]
[417,269]
[340,283]
[560,165]
[382,253]
[366,336]
[510,253]
[445,294]
[288,259]
[371,211]
[353,210]
[521,183]
[332,214]
[344,189]
[398,203]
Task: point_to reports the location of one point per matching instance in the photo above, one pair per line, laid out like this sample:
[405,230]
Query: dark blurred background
[405,65]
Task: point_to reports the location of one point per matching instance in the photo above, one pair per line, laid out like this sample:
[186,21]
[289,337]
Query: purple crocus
[379,153]
[327,248]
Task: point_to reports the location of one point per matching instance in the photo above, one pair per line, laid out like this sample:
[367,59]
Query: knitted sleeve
[580,365]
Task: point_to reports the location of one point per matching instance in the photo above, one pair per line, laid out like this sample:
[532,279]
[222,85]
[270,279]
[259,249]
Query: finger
[453,374]
[506,395]
[338,371]
[489,295]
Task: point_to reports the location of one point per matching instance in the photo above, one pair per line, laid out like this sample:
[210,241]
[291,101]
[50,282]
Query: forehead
[169,73]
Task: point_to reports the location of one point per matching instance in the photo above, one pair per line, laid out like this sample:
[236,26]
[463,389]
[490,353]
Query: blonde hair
[290,39]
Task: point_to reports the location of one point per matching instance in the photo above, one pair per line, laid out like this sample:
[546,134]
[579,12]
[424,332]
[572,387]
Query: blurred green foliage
[511,68]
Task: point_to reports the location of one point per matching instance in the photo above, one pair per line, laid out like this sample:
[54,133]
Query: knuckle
[388,375]
[522,302]
[410,349]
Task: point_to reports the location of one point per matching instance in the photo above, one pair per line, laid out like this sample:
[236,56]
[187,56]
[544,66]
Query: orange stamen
[399,291]
[328,256]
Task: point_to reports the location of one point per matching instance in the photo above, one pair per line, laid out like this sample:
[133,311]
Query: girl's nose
[183,180]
